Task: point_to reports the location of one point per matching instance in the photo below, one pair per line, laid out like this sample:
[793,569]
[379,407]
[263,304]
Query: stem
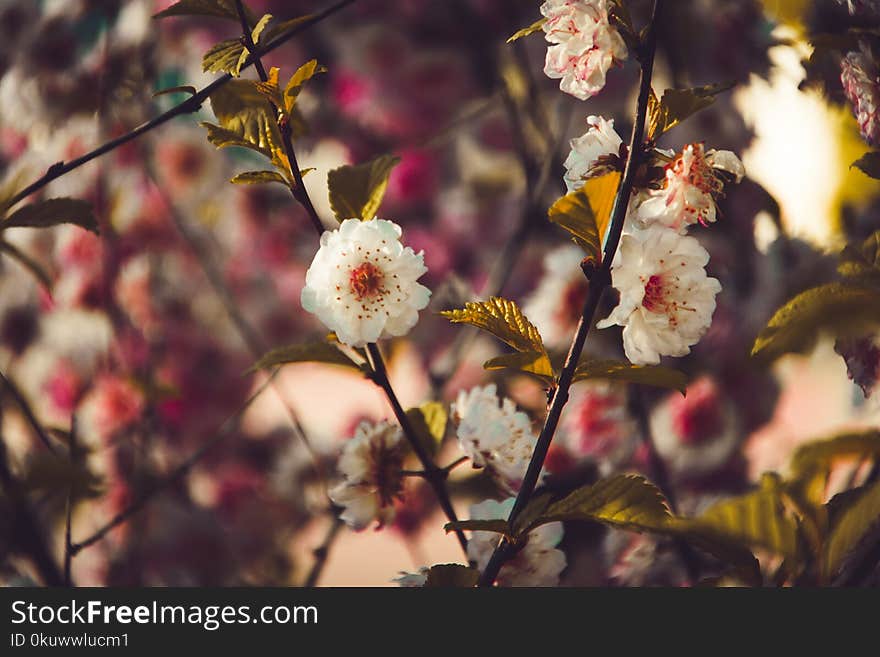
[600,280]
[181,470]
[68,523]
[434,475]
[322,552]
[298,190]
[28,412]
[190,105]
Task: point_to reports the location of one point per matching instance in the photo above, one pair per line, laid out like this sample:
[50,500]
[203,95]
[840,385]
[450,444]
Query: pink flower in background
[118,403]
[596,424]
[860,77]
[555,306]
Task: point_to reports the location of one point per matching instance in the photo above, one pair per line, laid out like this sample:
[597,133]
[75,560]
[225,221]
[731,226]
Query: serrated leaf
[649,375]
[34,267]
[822,453]
[356,191]
[624,501]
[526,31]
[532,511]
[850,527]
[294,86]
[312,352]
[869,164]
[429,422]
[57,473]
[258,177]
[269,89]
[52,212]
[225,57]
[536,363]
[223,138]
[243,110]
[863,260]
[586,212]
[259,27]
[756,519]
[213,8]
[452,575]
[497,526]
[841,309]
[678,104]
[503,319]
[279,29]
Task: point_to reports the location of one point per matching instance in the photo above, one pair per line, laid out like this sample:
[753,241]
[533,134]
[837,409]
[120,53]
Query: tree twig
[25,407]
[322,552]
[599,282]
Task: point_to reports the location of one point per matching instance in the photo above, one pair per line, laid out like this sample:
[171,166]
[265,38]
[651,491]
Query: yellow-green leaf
[526,31]
[294,86]
[312,352]
[851,525]
[503,319]
[585,213]
[242,109]
[212,8]
[756,519]
[259,27]
[429,422]
[841,309]
[452,575]
[258,177]
[649,375]
[869,164]
[822,453]
[279,29]
[356,191]
[224,57]
[678,104]
[52,212]
[862,261]
[48,472]
[625,501]
[223,138]
[536,363]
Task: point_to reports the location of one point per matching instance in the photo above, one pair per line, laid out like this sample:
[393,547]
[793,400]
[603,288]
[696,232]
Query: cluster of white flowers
[538,563]
[371,464]
[494,435]
[584,45]
[860,77]
[362,283]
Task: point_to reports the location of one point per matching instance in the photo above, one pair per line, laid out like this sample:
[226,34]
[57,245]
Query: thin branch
[322,552]
[190,105]
[28,412]
[178,473]
[599,282]
[434,475]
[68,523]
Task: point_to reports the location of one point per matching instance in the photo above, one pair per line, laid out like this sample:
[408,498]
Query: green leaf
[498,526]
[530,514]
[294,86]
[48,472]
[242,109]
[862,261]
[536,363]
[678,104]
[223,138]
[34,267]
[850,527]
[526,31]
[841,309]
[649,375]
[586,212]
[279,29]
[624,501]
[259,27]
[52,212]
[756,519]
[258,177]
[503,319]
[822,453]
[429,422]
[869,164]
[213,8]
[357,191]
[311,352]
[225,57]
[452,575]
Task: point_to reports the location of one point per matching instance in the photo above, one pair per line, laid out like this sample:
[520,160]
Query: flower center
[653,299]
[697,418]
[366,280]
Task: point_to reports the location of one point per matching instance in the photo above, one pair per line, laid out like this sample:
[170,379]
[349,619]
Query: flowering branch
[190,105]
[599,281]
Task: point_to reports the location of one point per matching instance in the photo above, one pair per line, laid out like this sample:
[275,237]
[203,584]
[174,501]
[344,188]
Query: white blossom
[494,435]
[539,563]
[370,464]
[584,45]
[362,282]
[599,139]
[691,186]
[556,304]
[666,298]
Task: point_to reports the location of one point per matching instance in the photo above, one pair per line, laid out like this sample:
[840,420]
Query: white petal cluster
[692,183]
[666,298]
[600,139]
[539,563]
[362,283]
[584,45]
[494,435]
[371,465]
